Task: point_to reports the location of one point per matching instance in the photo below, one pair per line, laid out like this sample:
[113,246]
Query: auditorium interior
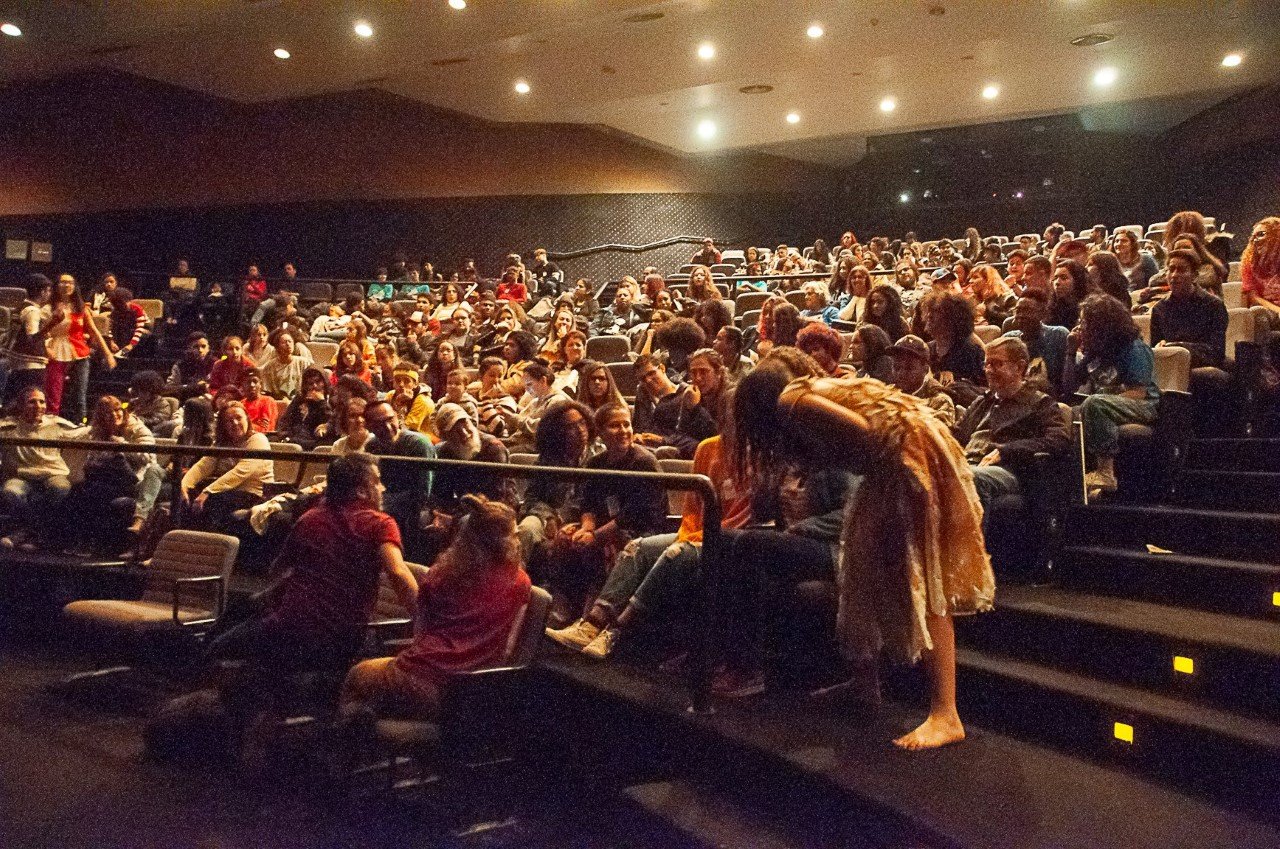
[567,423]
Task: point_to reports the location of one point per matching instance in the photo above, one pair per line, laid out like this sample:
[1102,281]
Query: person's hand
[441,520]
[648,439]
[197,506]
[115,349]
[186,496]
[584,537]
[692,395]
[992,458]
[567,531]
[57,315]
[322,429]
[125,351]
[1073,340]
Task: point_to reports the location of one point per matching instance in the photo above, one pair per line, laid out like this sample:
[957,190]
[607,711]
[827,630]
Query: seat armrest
[384,631]
[220,595]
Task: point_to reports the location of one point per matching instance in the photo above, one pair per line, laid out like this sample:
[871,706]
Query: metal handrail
[712,544]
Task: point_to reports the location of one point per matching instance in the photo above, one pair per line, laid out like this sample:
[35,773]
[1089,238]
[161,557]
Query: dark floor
[76,777]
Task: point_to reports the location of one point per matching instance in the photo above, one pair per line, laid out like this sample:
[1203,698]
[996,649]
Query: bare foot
[934,733]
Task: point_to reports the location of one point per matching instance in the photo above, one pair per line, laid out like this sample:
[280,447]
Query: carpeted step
[1229,490]
[1191,744]
[1238,587]
[1238,535]
[1211,658]
[1241,455]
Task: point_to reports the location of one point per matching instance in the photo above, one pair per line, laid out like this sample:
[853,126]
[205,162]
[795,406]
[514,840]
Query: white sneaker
[1101,482]
[604,643]
[577,636]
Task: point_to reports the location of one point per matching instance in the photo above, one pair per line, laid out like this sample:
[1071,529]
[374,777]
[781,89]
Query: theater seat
[608,349]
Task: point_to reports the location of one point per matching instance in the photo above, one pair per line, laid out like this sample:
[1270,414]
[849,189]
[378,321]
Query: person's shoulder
[642,459]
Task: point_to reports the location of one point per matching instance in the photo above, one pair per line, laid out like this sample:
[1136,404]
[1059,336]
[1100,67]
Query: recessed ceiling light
[888,104]
[11,29]
[1092,39]
[1231,60]
[991,92]
[793,117]
[815,31]
[522,87]
[706,51]
[706,129]
[281,53]
[1105,76]
[458,4]
[363,30]
[905,197]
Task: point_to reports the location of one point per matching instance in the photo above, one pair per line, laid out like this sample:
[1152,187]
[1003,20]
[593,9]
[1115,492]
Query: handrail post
[707,601]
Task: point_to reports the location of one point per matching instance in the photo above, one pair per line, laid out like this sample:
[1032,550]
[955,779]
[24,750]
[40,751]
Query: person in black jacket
[1190,317]
[1008,425]
[677,420]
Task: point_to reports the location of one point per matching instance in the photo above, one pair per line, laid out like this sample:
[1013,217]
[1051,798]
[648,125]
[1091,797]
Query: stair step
[1226,660]
[1219,533]
[710,818]
[1243,588]
[1193,744]
[1234,454]
[1231,490]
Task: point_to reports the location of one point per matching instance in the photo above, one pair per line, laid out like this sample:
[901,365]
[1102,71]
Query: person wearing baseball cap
[911,374]
[461,439]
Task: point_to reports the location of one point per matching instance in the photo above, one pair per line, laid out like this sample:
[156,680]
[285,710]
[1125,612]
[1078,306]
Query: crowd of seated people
[485,368]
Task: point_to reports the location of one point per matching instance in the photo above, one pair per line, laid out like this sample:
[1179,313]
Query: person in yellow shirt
[413,402]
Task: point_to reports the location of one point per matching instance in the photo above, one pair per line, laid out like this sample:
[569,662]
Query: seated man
[1190,317]
[620,317]
[1008,425]
[676,421]
[911,374]
[36,480]
[1046,343]
[313,618]
[462,440]
[539,396]
[407,485]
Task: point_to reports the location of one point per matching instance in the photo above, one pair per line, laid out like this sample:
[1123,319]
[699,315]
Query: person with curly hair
[824,344]
[954,353]
[1260,269]
[679,338]
[1110,363]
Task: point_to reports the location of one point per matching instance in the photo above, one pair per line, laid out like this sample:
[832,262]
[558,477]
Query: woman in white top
[215,487]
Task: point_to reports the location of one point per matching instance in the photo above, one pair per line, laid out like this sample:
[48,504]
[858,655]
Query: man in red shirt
[313,617]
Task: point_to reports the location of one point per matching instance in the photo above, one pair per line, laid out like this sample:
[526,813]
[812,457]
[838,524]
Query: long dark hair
[893,324]
[761,444]
[1111,279]
[1108,329]
[56,299]
[548,440]
[786,324]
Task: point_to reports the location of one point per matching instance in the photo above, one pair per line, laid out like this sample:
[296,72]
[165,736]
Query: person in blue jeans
[1112,365]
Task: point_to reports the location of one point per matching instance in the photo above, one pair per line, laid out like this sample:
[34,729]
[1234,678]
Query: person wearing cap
[462,440]
[1008,424]
[912,375]
[411,401]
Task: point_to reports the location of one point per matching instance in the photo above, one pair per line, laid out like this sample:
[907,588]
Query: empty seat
[1144,326]
[748,301]
[12,297]
[286,471]
[323,353]
[749,319]
[314,292]
[342,290]
[724,289]
[608,349]
[723,268]
[153,307]
[314,471]
[687,268]
[1233,273]
[733,255]
[1239,328]
[624,375]
[1232,294]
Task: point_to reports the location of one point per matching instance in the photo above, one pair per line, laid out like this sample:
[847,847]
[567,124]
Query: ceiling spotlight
[363,30]
[1105,76]
[1228,61]
[706,129]
[458,4]
[905,197]
[281,53]
[991,92]
[815,31]
[706,51]
[11,29]
[793,118]
[522,87]
[888,104]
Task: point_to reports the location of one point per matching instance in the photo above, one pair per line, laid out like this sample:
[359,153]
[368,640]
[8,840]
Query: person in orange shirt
[617,608]
[261,408]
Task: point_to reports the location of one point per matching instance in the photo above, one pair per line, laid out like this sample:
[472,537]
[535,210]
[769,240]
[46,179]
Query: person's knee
[15,492]
[56,489]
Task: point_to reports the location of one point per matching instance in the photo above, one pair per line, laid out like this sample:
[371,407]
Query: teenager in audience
[596,386]
[100,297]
[911,374]
[443,360]
[1046,343]
[612,513]
[28,356]
[991,299]
[36,480]
[859,289]
[708,255]
[232,367]
[869,351]
[824,344]
[1213,272]
[348,361]
[467,604]
[1191,317]
[308,412]
[283,366]
[539,396]
[564,435]
[407,485]
[786,323]
[450,300]
[1110,363]
[678,339]
[914,521]
[262,410]
[511,287]
[677,421]
[1070,288]
[70,338]
[885,310]
[701,286]
[1260,270]
[128,322]
[558,328]
[258,346]
[1138,266]
[730,344]
[1037,275]
[411,401]
[215,487]
[1017,261]
[712,315]
[565,369]
[955,355]
[708,376]
[1106,276]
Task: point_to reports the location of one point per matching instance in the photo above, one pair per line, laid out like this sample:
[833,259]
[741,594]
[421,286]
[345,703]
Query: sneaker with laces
[1101,482]
[603,645]
[577,636]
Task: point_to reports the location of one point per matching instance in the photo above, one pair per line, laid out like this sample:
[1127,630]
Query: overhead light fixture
[815,31]
[1105,76]
[9,29]
[793,117]
[363,29]
[281,53]
[991,92]
[706,129]
[522,87]
[706,51]
[904,197]
[1231,60]
[888,104]
[458,4]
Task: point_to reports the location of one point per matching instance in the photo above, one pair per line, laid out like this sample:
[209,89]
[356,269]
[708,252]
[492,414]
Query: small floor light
[1123,732]
[1275,599]
[1185,665]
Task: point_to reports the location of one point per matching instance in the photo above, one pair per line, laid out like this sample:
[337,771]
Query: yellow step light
[1275,599]
[1185,665]
[1123,732]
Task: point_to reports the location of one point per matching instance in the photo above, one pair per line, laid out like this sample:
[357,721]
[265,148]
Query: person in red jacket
[231,369]
[253,288]
[128,322]
[511,288]
[261,408]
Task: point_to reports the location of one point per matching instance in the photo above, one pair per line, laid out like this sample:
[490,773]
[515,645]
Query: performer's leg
[943,725]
